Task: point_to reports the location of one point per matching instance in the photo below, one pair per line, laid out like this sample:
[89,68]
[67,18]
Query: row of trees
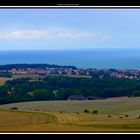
[61,87]
[24,66]
[6,74]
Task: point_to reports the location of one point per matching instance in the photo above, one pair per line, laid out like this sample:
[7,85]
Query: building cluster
[126,73]
[67,71]
[100,73]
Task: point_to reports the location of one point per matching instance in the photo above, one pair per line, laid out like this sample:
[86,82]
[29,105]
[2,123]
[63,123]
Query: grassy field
[39,76]
[32,121]
[115,114]
[105,106]
[77,76]
[3,80]
[15,76]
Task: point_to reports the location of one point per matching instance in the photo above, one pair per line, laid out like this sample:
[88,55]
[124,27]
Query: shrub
[86,111]
[95,112]
[126,115]
[13,108]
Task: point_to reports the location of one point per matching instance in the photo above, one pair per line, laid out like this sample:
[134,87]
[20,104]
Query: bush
[14,108]
[86,111]
[95,112]
[126,115]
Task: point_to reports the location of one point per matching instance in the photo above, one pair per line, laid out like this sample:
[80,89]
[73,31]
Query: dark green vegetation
[61,87]
[6,74]
[24,66]
[86,111]
[14,108]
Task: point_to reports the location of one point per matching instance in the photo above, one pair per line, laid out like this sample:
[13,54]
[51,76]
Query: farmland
[15,76]
[41,76]
[3,80]
[104,106]
[114,114]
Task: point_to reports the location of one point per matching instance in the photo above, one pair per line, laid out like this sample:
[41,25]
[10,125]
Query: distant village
[98,73]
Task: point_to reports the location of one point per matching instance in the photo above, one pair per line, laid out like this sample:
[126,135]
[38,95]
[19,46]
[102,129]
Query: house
[30,93]
[76,97]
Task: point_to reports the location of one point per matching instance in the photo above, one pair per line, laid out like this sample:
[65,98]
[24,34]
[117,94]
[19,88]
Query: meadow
[104,106]
[3,80]
[34,76]
[114,114]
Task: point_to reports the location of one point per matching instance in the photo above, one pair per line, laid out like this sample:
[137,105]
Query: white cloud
[71,34]
[52,33]
[21,34]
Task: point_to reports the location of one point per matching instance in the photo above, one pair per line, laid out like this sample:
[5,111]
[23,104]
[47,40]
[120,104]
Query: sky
[69,29]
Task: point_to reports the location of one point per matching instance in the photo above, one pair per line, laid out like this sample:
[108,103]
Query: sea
[94,58]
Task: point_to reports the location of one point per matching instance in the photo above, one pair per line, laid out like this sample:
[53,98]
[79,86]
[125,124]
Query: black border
[71,136]
[70,3]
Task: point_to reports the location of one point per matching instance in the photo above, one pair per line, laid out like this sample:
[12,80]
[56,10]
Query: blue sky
[65,29]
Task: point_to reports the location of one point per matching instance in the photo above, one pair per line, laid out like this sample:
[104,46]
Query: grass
[63,122]
[112,105]
[13,118]
[28,119]
[39,76]
[77,76]
[24,119]
[3,80]
[15,76]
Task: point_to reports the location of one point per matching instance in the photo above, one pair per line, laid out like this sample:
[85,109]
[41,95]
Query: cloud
[82,35]
[24,34]
[52,33]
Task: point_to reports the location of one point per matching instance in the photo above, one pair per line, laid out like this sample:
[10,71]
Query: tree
[43,94]
[61,94]
[3,91]
[6,74]
[86,111]
[95,112]
[136,93]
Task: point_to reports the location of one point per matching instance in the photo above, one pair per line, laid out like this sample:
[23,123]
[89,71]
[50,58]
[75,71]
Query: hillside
[111,105]
[114,114]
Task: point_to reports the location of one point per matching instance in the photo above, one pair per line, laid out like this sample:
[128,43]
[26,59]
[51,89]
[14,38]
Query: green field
[77,76]
[70,116]
[104,106]
[39,76]
[4,79]
[15,76]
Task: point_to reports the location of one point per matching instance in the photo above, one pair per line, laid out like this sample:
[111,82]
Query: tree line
[61,87]
[40,66]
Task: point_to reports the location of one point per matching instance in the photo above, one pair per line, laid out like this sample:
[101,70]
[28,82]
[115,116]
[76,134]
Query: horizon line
[78,49]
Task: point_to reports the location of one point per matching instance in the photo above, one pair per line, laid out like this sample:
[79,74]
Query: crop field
[114,114]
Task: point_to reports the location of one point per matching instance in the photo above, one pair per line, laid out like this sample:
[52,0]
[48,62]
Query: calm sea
[116,58]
